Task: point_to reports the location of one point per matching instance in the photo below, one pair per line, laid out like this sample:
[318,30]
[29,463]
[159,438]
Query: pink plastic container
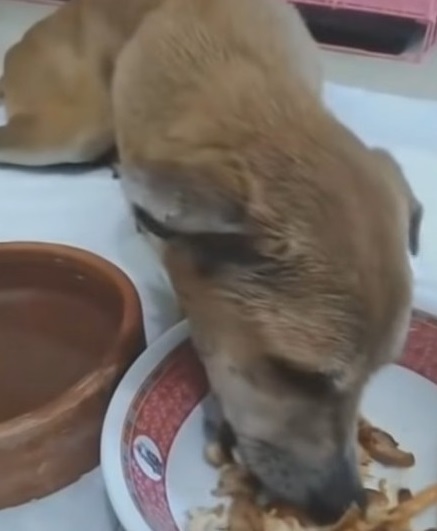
[420,13]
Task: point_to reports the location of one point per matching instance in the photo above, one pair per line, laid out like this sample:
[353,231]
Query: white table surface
[86,209]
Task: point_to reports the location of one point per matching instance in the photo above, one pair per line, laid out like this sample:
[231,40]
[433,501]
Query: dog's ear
[403,189]
[185,198]
[416,216]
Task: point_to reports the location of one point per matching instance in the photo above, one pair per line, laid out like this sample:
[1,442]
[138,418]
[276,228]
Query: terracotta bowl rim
[131,319]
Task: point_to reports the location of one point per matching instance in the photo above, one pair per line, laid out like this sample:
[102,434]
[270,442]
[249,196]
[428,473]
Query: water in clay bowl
[70,326]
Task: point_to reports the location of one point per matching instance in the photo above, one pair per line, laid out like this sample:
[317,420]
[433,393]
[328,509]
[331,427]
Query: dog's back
[207,54]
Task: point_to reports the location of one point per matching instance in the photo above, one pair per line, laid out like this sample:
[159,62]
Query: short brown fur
[56,83]
[286,237]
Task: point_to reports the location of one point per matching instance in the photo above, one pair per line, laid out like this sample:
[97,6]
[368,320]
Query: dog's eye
[314,383]
[146,223]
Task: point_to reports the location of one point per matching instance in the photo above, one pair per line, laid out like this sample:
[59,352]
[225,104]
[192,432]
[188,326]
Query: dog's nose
[341,490]
[323,488]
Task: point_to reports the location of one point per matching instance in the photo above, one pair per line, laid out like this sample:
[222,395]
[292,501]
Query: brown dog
[286,238]
[56,83]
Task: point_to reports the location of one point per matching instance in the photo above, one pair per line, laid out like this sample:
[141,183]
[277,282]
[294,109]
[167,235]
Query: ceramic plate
[152,442]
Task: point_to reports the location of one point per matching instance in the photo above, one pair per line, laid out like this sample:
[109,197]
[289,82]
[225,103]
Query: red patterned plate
[152,438]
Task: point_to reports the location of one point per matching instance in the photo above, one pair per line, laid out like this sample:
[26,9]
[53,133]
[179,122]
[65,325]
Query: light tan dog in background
[286,238]
[56,83]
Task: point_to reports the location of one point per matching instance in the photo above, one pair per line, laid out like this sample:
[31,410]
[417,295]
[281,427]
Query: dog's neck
[210,250]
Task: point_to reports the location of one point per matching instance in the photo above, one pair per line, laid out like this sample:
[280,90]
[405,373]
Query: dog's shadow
[108,162]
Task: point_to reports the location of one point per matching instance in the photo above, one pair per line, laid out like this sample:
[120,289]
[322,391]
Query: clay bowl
[70,326]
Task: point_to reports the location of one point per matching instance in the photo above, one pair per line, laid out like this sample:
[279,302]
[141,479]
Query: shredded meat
[245,514]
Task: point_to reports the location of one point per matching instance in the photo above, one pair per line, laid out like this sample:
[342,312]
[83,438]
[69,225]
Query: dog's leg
[38,141]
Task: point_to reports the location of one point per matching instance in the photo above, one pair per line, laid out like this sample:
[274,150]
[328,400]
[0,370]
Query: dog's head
[290,330]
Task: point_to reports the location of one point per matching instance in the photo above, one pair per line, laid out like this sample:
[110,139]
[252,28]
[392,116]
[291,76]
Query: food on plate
[216,455]
[378,501]
[216,519]
[235,481]
[404,495]
[364,461]
[382,447]
[245,513]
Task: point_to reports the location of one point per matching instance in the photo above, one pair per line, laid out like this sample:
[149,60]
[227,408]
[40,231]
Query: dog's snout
[325,488]
[340,490]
